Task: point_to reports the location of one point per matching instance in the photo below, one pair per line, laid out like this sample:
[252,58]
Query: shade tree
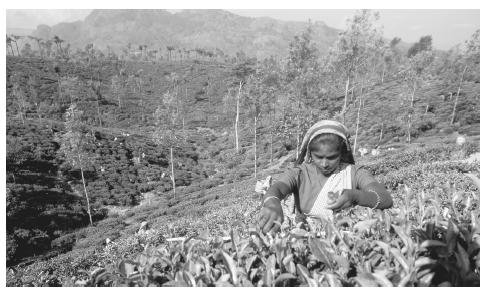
[75,143]
[355,48]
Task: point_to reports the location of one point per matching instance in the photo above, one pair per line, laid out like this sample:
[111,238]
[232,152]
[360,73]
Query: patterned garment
[336,183]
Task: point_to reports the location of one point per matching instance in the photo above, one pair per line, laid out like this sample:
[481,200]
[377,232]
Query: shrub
[64,243]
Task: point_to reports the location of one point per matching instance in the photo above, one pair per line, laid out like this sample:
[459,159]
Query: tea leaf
[333,280]
[229,263]
[364,226]
[127,267]
[318,248]
[404,281]
[423,261]
[432,243]
[281,279]
[299,233]
[384,246]
[189,279]
[474,179]
[463,260]
[250,261]
[399,257]
[366,280]
[382,280]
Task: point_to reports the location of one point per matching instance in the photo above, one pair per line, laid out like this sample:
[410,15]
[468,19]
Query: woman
[325,180]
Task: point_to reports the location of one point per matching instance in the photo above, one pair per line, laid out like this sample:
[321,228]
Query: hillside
[188,29]
[129,167]
[230,210]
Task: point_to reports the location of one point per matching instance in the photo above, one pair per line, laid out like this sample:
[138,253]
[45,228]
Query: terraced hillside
[435,204]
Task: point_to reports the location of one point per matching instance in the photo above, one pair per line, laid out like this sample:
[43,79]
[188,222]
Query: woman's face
[326,158]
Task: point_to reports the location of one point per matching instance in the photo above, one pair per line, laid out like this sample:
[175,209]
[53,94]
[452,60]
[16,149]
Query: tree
[414,75]
[34,84]
[27,50]
[302,77]
[15,38]
[39,41]
[391,57]
[119,85]
[467,60]
[424,44]
[242,71]
[354,49]
[169,51]
[165,132]
[20,99]
[48,47]
[75,145]
[139,83]
[58,41]
[9,44]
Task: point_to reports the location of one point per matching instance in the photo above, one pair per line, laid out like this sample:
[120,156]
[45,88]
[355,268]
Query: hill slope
[189,29]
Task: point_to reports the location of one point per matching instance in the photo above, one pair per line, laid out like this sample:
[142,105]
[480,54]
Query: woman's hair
[329,138]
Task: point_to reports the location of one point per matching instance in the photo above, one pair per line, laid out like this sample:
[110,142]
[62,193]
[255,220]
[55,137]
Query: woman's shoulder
[354,167]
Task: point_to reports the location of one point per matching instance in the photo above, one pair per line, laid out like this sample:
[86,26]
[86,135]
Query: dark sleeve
[363,178]
[286,184]
[365,183]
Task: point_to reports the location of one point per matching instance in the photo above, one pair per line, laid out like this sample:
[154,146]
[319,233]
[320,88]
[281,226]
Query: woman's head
[326,151]
[328,136]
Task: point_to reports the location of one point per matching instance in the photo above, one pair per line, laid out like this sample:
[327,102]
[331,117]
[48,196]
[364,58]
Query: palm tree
[9,44]
[48,46]
[38,40]
[58,41]
[170,49]
[14,39]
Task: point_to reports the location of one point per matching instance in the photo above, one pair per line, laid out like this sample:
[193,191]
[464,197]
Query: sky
[447,27]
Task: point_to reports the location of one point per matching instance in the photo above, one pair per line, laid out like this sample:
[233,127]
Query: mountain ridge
[209,29]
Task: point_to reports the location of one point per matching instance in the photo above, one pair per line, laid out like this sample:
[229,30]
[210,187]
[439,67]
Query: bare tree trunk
[237,117]
[457,96]
[38,111]
[409,137]
[357,125]
[271,134]
[59,90]
[86,194]
[11,49]
[383,75]
[16,46]
[98,108]
[410,115]
[22,117]
[172,170]
[255,144]
[299,125]
[413,95]
[141,98]
[343,112]
[381,134]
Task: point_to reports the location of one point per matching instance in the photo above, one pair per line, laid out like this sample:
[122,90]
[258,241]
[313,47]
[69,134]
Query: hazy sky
[447,27]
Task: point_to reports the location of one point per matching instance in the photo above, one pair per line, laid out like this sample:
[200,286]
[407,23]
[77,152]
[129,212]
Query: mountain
[190,29]
[19,31]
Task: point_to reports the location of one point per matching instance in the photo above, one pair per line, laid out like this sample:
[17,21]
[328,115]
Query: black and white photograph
[147,146]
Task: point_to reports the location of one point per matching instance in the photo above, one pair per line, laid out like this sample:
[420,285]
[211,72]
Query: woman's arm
[279,190]
[271,211]
[368,196]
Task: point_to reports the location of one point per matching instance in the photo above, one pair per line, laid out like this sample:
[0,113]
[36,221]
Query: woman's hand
[270,213]
[345,199]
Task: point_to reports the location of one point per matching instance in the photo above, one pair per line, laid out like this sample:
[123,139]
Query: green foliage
[424,44]
[192,101]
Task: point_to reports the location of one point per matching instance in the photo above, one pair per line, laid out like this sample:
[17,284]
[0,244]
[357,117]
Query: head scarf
[325,126]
